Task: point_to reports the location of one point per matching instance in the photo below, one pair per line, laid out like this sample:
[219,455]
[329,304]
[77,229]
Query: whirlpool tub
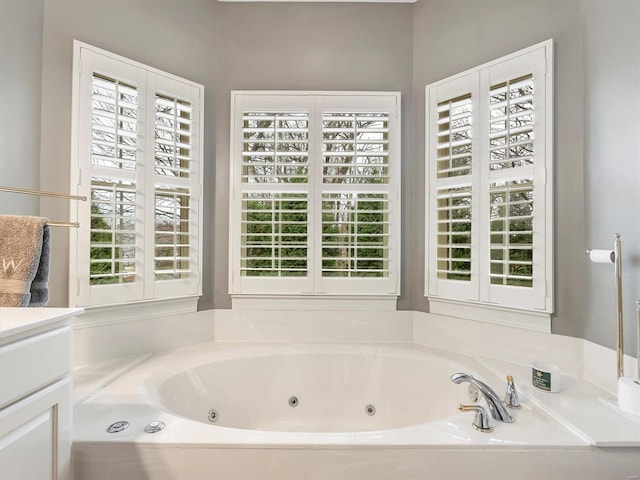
[330,411]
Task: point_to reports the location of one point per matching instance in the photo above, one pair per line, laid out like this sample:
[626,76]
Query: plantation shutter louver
[511,113]
[114,133]
[517,161]
[314,206]
[355,198]
[139,237]
[274,222]
[173,119]
[490,199]
[273,226]
[454,118]
[454,154]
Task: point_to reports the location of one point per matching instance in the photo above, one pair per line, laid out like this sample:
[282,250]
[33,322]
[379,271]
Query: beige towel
[24,255]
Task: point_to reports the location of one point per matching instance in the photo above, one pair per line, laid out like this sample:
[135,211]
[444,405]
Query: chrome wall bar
[618,273]
[615,257]
[40,193]
[28,191]
[64,224]
[638,340]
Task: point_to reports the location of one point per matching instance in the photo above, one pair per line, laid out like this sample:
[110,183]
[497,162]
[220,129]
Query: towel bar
[64,224]
[28,191]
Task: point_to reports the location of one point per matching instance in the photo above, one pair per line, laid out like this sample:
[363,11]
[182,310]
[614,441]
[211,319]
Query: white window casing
[315,198]
[137,156]
[489,225]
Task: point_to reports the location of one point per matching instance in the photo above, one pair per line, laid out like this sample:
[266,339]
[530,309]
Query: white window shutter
[109,255]
[176,202]
[315,200]
[136,154]
[359,186]
[272,220]
[489,228]
[515,164]
[453,213]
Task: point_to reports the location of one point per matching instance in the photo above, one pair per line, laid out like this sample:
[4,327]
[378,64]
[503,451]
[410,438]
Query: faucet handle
[511,397]
[481,420]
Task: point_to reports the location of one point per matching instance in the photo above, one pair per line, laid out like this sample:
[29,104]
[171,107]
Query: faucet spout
[497,408]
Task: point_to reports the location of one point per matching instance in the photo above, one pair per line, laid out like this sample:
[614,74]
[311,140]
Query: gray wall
[310,46]
[20,73]
[175,36]
[224,47]
[451,36]
[597,125]
[612,160]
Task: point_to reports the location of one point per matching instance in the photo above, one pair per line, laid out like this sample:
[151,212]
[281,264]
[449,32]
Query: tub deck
[539,445]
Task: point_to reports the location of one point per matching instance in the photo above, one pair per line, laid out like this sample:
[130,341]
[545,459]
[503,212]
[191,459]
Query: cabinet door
[31,363]
[35,442]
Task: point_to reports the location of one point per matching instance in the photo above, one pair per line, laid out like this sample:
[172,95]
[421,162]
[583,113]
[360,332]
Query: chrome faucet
[497,408]
[481,421]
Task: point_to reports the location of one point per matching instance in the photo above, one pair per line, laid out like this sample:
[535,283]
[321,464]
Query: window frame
[298,293]
[478,299]
[151,83]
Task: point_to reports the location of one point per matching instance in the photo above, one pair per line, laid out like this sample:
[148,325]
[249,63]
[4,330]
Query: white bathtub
[360,412]
[329,389]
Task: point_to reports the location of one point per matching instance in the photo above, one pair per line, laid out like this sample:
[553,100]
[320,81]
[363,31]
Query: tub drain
[118,426]
[154,427]
[212,415]
[370,410]
[293,401]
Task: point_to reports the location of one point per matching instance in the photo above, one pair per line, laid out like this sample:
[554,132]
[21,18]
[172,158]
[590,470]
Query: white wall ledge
[314,302]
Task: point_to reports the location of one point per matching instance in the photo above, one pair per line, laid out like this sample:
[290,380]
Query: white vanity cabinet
[35,393]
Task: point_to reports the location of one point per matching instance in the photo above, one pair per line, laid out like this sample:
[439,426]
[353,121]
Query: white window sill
[314,302]
[134,311]
[538,321]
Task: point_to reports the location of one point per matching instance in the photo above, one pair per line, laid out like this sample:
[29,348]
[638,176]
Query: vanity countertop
[17,321]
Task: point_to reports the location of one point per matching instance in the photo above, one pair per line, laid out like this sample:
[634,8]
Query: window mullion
[315,195]
[481,191]
[147,185]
